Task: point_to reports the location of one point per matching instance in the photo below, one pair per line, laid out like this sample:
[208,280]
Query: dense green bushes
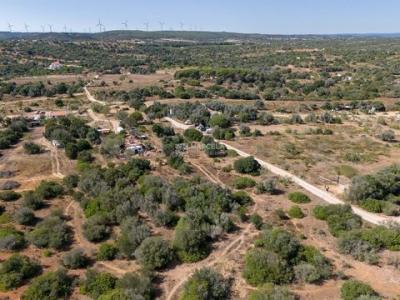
[15,270]
[279,258]
[32,148]
[192,135]
[206,284]
[51,285]
[247,165]
[154,253]
[299,197]
[353,290]
[369,189]
[243,182]
[52,232]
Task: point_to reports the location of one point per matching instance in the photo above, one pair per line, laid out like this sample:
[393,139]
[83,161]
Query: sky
[248,16]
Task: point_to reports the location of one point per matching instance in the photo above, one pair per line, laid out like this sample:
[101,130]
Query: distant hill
[194,36]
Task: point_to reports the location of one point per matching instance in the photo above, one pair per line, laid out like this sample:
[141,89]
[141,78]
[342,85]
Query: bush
[191,244]
[96,284]
[352,244]
[387,136]
[206,284]
[138,285]
[340,218]
[32,148]
[263,266]
[32,200]
[220,120]
[11,239]
[9,185]
[267,186]
[71,181]
[154,253]
[96,228]
[299,198]
[133,233]
[9,196]
[256,220]
[247,165]
[272,292]
[295,212]
[52,285]
[71,150]
[243,182]
[49,189]
[107,252]
[24,216]
[52,232]
[15,270]
[353,289]
[75,259]
[372,205]
[193,135]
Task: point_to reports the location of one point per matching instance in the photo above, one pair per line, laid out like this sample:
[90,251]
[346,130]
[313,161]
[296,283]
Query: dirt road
[316,191]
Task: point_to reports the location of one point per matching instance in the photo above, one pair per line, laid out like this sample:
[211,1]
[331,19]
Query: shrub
[256,220]
[9,196]
[191,244]
[352,244]
[96,284]
[387,136]
[52,232]
[353,289]
[295,212]
[340,218]
[247,165]
[206,284]
[346,170]
[32,200]
[271,292]
[133,233]
[49,189]
[192,135]
[243,182]
[372,205]
[85,156]
[15,270]
[96,228]
[262,266]
[71,181]
[52,285]
[11,239]
[71,150]
[24,216]
[107,252]
[154,253]
[299,198]
[220,120]
[32,148]
[75,259]
[138,285]
[267,186]
[9,185]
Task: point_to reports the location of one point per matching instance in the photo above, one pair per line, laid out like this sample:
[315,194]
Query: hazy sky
[261,16]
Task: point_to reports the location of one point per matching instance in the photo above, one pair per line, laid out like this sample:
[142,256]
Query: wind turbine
[182,25]
[146,25]
[100,25]
[43,28]
[10,27]
[125,25]
[65,28]
[162,25]
[50,27]
[26,27]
